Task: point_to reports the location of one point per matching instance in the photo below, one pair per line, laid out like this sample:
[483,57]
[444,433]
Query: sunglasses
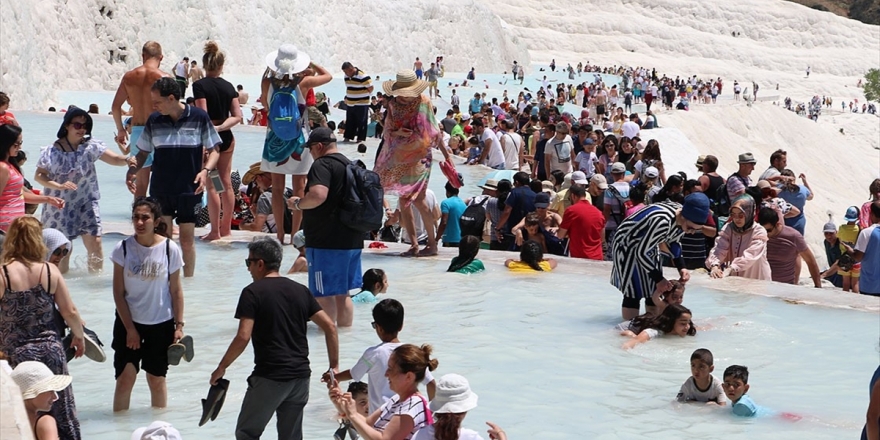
[78,125]
[248,261]
[61,252]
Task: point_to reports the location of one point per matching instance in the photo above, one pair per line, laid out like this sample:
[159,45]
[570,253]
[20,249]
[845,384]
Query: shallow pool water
[538,349]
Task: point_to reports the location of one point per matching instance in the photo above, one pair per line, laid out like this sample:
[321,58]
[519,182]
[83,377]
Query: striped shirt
[414,407]
[635,253]
[357,88]
[178,146]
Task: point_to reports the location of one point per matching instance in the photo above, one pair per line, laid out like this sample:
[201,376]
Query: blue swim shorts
[136,131]
[334,272]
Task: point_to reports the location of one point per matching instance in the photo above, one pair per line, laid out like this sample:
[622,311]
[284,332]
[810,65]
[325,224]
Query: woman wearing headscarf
[742,244]
[67,170]
[404,164]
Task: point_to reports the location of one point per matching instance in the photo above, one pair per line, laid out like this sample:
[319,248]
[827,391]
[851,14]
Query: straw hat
[251,174]
[406,85]
[288,60]
[453,395]
[34,378]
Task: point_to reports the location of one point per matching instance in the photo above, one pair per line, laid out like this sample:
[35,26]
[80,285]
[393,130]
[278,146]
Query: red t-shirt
[8,118]
[585,225]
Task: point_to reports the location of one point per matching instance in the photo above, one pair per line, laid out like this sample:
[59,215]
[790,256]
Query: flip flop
[93,346]
[212,404]
[182,349]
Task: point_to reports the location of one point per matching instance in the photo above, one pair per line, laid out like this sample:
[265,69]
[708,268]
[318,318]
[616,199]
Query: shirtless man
[417,67]
[242,95]
[195,73]
[135,88]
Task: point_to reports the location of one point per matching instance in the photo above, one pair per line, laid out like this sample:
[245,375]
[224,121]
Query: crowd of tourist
[589,187]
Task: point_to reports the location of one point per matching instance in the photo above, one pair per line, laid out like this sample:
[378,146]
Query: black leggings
[633,303]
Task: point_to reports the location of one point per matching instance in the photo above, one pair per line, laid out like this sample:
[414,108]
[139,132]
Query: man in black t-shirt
[273,312]
[332,248]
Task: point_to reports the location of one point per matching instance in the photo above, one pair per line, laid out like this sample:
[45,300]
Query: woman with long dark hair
[12,196]
[466,261]
[66,169]
[531,258]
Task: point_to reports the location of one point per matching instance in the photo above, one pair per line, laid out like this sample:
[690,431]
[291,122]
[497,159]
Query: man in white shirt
[492,154]
[559,150]
[631,128]
[512,146]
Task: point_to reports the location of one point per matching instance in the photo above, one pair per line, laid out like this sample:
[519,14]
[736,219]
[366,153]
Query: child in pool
[375,282]
[736,385]
[466,261]
[360,394]
[675,320]
[531,259]
[299,243]
[661,299]
[702,386]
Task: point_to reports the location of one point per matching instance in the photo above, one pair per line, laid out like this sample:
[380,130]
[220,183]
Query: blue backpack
[285,115]
[362,195]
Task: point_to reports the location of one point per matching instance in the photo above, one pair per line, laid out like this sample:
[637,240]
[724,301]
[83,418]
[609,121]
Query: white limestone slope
[51,45]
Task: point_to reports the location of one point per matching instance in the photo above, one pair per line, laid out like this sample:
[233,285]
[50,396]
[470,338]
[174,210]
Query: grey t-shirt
[432,74]
[448,124]
[690,393]
[264,207]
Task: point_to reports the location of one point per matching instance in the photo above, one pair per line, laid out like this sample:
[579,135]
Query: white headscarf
[54,239]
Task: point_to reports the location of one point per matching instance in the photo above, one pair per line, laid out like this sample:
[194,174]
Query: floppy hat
[696,208]
[453,395]
[157,430]
[406,85]
[600,181]
[618,168]
[579,178]
[34,378]
[251,174]
[542,200]
[747,158]
[852,214]
[287,60]
[547,185]
[490,185]
[763,184]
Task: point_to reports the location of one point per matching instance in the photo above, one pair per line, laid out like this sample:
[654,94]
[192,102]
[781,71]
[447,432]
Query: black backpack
[473,219]
[362,195]
[721,202]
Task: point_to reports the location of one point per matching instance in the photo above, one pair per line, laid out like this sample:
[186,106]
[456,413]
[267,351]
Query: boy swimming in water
[736,385]
[702,386]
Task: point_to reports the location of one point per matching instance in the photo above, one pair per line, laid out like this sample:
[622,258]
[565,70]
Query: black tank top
[715,182]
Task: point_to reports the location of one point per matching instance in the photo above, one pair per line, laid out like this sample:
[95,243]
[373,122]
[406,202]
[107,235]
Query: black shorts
[228,140]
[182,208]
[600,109]
[153,354]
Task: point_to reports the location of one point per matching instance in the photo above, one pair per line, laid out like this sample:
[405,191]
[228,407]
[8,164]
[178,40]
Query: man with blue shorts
[333,250]
[135,88]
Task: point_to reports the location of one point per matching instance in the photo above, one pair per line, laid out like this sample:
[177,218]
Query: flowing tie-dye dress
[411,133]
[28,333]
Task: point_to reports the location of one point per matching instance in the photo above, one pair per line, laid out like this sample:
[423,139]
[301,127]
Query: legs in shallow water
[427,213]
[220,205]
[408,223]
[339,308]
[94,252]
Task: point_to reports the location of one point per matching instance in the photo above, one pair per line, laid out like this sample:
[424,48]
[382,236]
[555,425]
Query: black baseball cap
[321,135]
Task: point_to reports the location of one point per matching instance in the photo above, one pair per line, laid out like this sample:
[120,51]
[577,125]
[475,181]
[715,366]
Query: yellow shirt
[519,266]
[848,233]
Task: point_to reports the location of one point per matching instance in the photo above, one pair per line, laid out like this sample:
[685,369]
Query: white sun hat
[157,430]
[34,378]
[453,395]
[287,60]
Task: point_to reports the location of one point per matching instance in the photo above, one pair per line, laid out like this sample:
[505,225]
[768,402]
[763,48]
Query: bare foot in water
[211,236]
[411,252]
[428,251]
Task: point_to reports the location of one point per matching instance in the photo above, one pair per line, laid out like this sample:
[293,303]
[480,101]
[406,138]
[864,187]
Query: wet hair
[536,186]
[267,249]
[4,99]
[152,49]
[8,136]
[737,372]
[388,314]
[637,193]
[213,59]
[362,148]
[357,387]
[412,359]
[558,177]
[665,322]
[468,248]
[711,163]
[768,216]
[532,254]
[503,190]
[167,87]
[371,278]
[161,227]
[24,241]
[703,355]
[93,108]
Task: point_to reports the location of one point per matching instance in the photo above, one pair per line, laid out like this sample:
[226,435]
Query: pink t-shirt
[782,251]
[865,215]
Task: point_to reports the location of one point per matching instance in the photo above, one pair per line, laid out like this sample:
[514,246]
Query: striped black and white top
[357,88]
[414,407]
[635,254]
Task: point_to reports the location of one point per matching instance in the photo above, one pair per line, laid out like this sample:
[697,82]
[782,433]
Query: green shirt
[474,267]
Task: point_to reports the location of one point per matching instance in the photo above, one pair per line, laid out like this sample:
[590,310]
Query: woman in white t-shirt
[451,403]
[407,412]
[149,305]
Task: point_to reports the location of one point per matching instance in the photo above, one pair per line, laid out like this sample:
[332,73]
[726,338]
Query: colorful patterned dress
[404,164]
[27,333]
[81,214]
